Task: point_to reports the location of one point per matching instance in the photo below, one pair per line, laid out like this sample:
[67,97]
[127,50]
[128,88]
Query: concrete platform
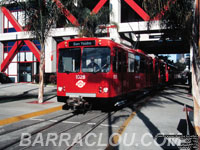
[20,98]
[163,114]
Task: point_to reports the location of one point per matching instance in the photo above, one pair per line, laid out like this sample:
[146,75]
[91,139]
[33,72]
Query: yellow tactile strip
[29,115]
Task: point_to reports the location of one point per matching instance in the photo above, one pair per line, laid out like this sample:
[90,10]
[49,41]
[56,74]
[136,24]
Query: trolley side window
[142,65]
[137,64]
[124,61]
[69,60]
[96,59]
[119,61]
[131,62]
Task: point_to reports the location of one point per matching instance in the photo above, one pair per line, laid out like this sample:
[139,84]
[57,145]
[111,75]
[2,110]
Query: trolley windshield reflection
[96,59]
[69,60]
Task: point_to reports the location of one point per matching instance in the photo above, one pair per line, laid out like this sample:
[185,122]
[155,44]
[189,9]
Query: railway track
[100,118]
[45,128]
[90,130]
[17,140]
[29,125]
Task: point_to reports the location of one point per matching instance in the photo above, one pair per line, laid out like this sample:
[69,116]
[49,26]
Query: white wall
[115,6]
[50,55]
[18,16]
[12,69]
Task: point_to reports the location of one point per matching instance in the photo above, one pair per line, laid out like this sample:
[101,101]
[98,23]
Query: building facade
[19,51]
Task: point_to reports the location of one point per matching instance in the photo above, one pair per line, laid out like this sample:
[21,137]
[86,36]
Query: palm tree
[41,15]
[89,21]
[173,14]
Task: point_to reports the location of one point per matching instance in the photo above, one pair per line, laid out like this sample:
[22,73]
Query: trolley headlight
[100,89]
[105,90]
[60,89]
[65,43]
[99,42]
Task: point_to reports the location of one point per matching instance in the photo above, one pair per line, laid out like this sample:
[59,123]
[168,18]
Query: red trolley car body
[101,68]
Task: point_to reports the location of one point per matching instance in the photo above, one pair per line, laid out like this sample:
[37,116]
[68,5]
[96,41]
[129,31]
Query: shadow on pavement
[175,101]
[27,95]
[154,131]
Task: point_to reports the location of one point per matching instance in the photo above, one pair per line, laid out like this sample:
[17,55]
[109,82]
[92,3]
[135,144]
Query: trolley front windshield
[96,59]
[69,60]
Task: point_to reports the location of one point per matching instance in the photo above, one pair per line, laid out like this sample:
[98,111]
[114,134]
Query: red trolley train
[91,69]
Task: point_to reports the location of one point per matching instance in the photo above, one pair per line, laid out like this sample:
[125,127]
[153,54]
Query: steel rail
[37,131]
[90,130]
[25,126]
[84,122]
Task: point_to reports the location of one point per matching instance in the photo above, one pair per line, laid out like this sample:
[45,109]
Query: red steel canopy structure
[71,18]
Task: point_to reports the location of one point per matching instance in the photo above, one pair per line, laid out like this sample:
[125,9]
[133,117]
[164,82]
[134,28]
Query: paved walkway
[163,114]
[19,99]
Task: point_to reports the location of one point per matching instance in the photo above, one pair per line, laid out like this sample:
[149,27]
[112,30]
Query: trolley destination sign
[82,43]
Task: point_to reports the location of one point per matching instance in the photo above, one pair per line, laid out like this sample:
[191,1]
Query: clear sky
[171,56]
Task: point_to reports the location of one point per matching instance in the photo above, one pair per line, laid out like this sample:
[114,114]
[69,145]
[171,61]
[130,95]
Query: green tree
[42,15]
[89,21]
[173,14]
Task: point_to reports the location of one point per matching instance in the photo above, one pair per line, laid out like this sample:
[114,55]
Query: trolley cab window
[69,60]
[96,59]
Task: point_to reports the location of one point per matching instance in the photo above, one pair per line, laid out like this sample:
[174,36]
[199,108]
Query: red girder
[131,3]
[18,44]
[138,9]
[11,55]
[143,14]
[99,6]
[66,12]
[12,19]
[72,19]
